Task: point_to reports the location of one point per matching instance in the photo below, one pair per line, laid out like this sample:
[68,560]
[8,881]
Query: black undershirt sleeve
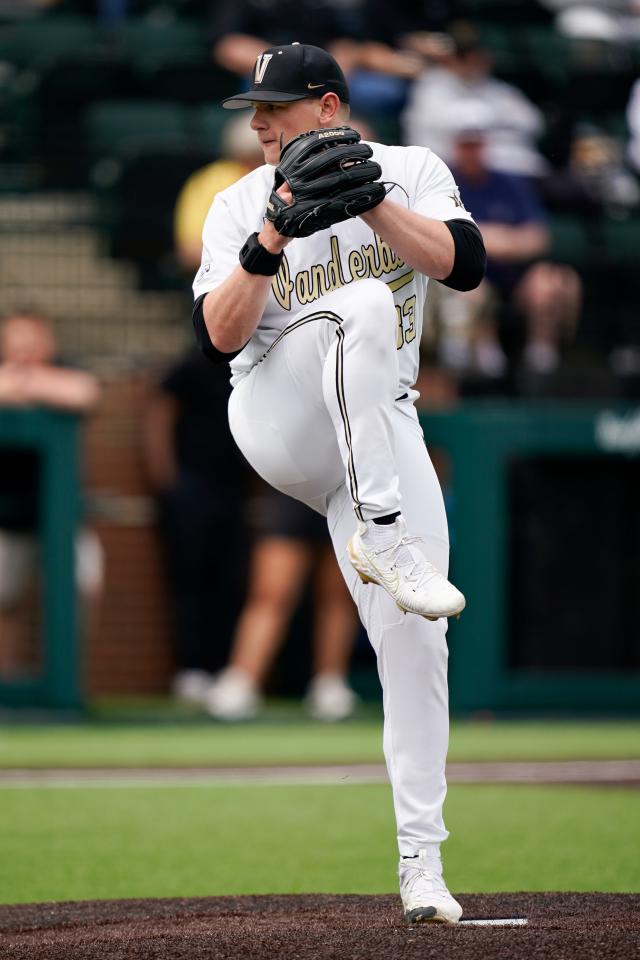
[202,335]
[470,257]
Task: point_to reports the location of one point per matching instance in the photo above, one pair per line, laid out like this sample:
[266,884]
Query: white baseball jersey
[332,258]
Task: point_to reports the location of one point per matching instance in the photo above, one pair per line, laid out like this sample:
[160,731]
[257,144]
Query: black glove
[331,178]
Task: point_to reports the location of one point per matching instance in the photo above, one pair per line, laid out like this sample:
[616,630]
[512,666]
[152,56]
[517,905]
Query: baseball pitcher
[312,285]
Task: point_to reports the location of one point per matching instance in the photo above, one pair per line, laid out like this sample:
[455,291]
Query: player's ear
[329,109]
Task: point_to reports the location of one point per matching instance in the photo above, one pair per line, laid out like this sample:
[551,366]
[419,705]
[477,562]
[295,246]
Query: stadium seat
[41,40]
[188,79]
[141,40]
[67,88]
[136,208]
[206,124]
[116,127]
[547,53]
[622,241]
[510,62]
[18,118]
[570,241]
[500,40]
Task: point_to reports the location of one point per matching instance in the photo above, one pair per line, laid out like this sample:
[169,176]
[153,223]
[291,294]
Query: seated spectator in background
[520,285]
[200,480]
[355,33]
[241,153]
[294,542]
[31,378]
[596,181]
[429,119]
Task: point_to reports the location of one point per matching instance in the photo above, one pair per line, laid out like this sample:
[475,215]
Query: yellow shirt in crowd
[196,197]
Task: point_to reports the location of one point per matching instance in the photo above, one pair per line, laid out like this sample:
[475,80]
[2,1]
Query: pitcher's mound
[561,926]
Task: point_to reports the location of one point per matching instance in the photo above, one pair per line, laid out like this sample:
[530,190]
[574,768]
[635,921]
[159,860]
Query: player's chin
[271,152]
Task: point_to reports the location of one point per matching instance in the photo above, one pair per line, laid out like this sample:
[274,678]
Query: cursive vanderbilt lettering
[371,260]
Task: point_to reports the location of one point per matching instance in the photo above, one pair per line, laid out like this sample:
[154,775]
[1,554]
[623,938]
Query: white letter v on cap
[261,66]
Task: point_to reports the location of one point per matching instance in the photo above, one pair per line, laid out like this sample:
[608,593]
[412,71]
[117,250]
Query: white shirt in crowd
[430,119]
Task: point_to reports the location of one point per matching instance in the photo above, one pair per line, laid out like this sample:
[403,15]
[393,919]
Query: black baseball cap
[292,72]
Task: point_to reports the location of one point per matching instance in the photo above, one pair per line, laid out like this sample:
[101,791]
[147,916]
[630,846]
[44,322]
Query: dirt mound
[569,926]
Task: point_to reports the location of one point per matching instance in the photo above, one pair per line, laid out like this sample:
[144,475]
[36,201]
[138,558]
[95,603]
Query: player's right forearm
[233,310]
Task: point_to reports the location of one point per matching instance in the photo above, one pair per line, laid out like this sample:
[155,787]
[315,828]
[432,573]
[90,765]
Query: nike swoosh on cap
[314,86]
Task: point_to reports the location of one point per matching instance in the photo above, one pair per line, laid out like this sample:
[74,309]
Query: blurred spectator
[633,122]
[597,21]
[520,287]
[30,377]
[358,37]
[293,544]
[464,74]
[200,479]
[595,181]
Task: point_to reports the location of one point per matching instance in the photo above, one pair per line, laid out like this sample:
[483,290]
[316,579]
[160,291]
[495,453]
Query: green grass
[287,737]
[147,842]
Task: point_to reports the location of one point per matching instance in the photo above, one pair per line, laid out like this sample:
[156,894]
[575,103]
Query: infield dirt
[564,926]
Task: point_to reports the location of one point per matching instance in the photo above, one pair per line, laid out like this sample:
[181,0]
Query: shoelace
[420,873]
[422,570]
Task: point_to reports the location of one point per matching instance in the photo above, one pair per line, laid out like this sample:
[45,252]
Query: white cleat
[389,556]
[424,893]
[233,696]
[330,698]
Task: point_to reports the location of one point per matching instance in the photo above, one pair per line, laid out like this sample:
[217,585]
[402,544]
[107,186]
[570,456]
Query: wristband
[254,258]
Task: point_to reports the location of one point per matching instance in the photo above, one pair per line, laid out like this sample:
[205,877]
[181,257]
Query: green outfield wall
[54,438]
[544,511]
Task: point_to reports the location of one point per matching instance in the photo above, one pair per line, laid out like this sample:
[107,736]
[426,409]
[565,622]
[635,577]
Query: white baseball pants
[319,419]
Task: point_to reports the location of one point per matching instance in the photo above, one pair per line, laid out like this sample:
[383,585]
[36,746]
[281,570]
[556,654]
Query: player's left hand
[329,176]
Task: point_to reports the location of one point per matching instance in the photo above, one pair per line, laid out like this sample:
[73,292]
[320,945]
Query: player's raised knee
[375,294]
[372,305]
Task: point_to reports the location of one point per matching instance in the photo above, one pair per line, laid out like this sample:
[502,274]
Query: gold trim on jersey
[401,282]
